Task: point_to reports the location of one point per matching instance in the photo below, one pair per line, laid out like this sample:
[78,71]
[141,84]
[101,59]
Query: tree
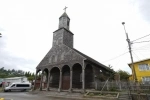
[30,78]
[10,73]
[124,75]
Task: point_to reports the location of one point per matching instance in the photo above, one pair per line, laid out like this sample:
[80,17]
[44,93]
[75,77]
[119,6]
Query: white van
[18,86]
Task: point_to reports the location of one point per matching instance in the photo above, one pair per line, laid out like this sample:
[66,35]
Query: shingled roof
[64,15]
[92,60]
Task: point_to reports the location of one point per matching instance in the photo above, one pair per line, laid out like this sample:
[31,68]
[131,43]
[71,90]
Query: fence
[123,86]
[135,91]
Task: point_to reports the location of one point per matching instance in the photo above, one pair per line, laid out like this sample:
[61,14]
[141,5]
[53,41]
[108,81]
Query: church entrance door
[66,78]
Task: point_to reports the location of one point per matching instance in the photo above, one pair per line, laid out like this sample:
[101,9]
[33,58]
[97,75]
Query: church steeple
[64,20]
[63,35]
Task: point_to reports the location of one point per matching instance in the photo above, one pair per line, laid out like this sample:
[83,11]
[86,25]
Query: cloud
[10,61]
[1,29]
[144,9]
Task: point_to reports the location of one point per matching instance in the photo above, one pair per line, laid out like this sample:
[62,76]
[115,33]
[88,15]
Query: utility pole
[130,51]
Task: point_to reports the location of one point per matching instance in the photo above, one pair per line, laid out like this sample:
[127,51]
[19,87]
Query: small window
[68,23]
[146,79]
[52,59]
[143,67]
[62,56]
[13,85]
[22,85]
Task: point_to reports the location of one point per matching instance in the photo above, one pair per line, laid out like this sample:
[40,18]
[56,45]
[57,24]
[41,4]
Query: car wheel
[9,90]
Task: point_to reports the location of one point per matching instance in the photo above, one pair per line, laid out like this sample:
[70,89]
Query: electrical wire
[141,42]
[141,38]
[128,51]
[147,46]
[136,56]
[115,57]
[141,55]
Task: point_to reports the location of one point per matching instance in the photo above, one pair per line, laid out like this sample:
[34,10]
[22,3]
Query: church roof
[64,15]
[92,60]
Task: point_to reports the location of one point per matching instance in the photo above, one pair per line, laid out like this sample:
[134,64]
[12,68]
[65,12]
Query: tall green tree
[124,75]
[13,73]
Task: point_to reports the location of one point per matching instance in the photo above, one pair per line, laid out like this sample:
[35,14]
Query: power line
[115,57]
[143,56]
[147,46]
[141,38]
[136,55]
[142,41]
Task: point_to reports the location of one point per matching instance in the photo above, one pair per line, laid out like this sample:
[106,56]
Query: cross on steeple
[65,8]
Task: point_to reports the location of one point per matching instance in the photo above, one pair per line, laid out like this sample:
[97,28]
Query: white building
[15,80]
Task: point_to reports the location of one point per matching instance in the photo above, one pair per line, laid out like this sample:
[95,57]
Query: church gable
[60,54]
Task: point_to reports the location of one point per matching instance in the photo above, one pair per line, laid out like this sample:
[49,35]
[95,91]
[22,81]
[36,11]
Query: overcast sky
[27,27]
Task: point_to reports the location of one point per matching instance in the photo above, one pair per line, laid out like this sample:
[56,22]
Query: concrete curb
[74,98]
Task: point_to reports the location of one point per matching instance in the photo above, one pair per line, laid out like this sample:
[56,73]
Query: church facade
[65,67]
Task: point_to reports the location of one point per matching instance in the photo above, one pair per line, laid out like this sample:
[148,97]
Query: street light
[130,51]
[0,35]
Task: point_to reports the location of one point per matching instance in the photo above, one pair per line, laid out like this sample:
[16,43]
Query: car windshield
[13,85]
[10,84]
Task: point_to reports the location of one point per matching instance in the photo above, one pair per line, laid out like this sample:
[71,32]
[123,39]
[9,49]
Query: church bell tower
[64,21]
[63,35]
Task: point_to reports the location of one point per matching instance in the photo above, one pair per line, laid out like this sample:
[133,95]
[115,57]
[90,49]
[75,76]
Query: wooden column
[83,80]
[83,77]
[70,90]
[35,80]
[41,81]
[48,80]
[60,81]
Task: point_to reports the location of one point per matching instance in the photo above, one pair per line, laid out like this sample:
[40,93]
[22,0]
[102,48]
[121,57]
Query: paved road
[24,96]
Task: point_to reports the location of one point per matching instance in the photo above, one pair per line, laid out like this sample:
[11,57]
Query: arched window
[62,56]
[68,23]
[52,59]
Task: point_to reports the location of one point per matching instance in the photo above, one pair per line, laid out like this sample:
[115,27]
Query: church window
[68,23]
[52,59]
[62,56]
[55,60]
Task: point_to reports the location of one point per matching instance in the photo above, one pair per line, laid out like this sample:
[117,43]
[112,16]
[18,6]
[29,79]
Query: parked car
[18,87]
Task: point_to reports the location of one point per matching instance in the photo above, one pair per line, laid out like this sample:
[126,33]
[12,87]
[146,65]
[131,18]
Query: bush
[112,89]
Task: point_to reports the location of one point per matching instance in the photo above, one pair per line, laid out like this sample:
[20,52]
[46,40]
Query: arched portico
[44,79]
[37,79]
[54,77]
[65,77]
[89,76]
[77,76]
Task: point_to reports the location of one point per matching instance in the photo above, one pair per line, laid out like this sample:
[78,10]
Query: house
[8,81]
[142,70]
[65,67]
